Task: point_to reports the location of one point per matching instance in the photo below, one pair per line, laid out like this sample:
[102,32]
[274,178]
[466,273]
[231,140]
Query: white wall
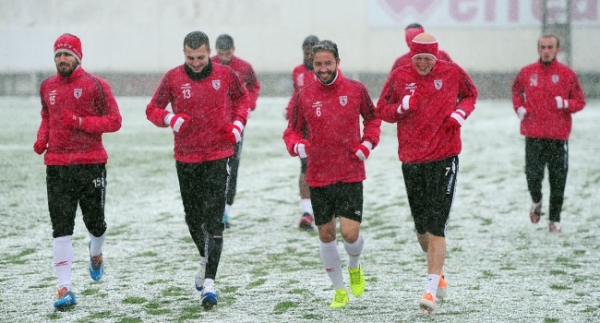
[147,35]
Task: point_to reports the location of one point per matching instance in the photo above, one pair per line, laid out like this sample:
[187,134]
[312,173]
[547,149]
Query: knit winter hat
[68,43]
[410,34]
[424,44]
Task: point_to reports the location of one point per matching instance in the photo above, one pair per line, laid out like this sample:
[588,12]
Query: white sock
[227,209]
[62,250]
[97,244]
[432,283]
[354,250]
[330,256]
[209,282]
[306,206]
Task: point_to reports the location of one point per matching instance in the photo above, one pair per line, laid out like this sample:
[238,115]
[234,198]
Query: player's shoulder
[401,71]
[242,62]
[299,69]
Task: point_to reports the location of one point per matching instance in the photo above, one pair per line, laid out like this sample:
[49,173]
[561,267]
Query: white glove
[521,111]
[561,103]
[459,115]
[302,148]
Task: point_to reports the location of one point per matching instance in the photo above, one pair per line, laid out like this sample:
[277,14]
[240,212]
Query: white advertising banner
[479,13]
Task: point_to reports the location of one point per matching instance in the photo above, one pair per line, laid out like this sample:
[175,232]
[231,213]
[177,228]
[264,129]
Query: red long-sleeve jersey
[88,97]
[331,114]
[427,133]
[245,72]
[407,59]
[535,89]
[301,77]
[213,103]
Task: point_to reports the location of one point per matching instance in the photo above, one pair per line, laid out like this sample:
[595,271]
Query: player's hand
[409,102]
[178,122]
[521,112]
[39,147]
[71,121]
[302,148]
[363,150]
[561,103]
[234,132]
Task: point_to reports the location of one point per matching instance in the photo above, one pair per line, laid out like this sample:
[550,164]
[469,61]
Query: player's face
[196,59]
[423,64]
[325,65]
[65,63]
[225,55]
[308,56]
[547,48]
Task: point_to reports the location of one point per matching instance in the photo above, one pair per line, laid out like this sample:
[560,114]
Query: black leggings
[540,153]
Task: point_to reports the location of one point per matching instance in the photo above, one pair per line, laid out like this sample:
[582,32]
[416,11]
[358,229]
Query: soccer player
[429,101]
[209,109]
[225,55]
[409,33]
[545,94]
[303,75]
[77,108]
[330,112]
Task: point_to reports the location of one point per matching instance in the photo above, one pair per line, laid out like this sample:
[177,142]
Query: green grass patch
[134,300]
[284,306]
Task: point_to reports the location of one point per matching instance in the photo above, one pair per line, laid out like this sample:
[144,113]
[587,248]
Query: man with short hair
[330,111]
[209,110]
[429,101]
[77,108]
[545,94]
[303,75]
[225,55]
[410,32]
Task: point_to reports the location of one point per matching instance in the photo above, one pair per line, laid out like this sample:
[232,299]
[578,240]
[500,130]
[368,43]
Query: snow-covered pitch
[500,267]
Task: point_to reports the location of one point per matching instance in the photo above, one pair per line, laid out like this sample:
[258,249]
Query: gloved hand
[363,150]
[71,120]
[39,147]
[234,132]
[178,122]
[302,148]
[458,116]
[521,112]
[409,102]
[561,103]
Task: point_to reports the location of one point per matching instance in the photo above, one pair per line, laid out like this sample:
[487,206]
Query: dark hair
[224,41]
[414,25]
[327,46]
[551,36]
[195,39]
[311,40]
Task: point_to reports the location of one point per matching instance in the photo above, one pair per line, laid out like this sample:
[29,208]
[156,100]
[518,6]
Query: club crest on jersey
[343,100]
[555,78]
[77,93]
[438,84]
[216,84]
[533,80]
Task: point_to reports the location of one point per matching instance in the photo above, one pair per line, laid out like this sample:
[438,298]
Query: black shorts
[340,199]
[430,189]
[203,187]
[70,186]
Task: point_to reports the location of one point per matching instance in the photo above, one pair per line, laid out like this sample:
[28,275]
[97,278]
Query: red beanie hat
[410,33]
[68,43]
[424,44]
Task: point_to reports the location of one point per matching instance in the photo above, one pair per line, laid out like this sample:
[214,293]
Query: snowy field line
[500,267]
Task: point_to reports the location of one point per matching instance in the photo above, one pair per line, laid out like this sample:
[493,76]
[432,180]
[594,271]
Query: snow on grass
[500,267]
